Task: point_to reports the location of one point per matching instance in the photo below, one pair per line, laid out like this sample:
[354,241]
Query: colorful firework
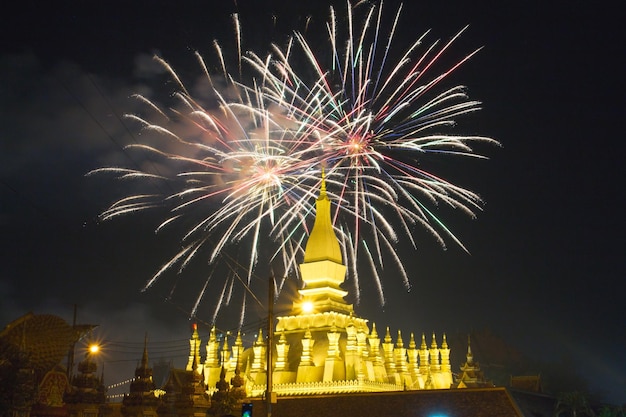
[246,173]
[375,120]
[240,181]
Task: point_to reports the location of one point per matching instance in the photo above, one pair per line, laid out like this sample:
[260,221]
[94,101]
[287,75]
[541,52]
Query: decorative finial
[388,336]
[144,357]
[323,183]
[399,341]
[423,345]
[374,332]
[260,340]
[469,356]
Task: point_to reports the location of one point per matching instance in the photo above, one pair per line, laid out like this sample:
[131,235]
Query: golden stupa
[322,347]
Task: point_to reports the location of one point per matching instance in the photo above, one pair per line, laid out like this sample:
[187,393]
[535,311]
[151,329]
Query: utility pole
[70,354]
[270,345]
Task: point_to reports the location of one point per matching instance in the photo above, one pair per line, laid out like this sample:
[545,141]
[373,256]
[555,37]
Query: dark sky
[547,263]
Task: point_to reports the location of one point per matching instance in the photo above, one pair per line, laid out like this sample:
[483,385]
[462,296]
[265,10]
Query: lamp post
[270,344]
[72,351]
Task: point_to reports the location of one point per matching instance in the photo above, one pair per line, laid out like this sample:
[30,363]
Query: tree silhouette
[17,379]
[613,411]
[574,404]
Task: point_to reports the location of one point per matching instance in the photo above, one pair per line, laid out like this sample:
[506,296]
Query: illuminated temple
[325,361]
[322,347]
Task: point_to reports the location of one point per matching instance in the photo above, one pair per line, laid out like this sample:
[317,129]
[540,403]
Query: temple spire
[323,243]
[144,356]
[323,184]
[194,347]
[323,270]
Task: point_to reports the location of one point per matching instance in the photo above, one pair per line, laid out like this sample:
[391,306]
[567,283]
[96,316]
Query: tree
[612,411]
[574,404]
[17,379]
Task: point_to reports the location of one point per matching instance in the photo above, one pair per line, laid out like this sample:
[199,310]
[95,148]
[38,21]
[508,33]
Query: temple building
[324,360]
[471,375]
[322,347]
[87,395]
[141,400]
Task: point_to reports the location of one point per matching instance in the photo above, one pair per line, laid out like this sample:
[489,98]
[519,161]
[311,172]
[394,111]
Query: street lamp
[270,396]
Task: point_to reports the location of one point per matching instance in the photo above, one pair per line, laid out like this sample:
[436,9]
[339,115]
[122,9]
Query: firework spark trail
[375,114]
[246,172]
[250,169]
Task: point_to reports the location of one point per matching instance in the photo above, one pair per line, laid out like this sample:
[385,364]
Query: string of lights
[119,384]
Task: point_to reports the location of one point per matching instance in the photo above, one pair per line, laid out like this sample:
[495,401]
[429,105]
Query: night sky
[546,265]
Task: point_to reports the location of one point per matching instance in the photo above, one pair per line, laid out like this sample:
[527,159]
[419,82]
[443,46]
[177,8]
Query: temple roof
[483,402]
[46,338]
[530,383]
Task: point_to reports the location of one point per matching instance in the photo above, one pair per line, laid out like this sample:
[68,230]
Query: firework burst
[374,120]
[249,173]
[232,175]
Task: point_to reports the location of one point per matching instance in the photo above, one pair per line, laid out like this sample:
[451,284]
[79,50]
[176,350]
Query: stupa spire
[323,270]
[144,356]
[469,357]
[322,243]
[194,346]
